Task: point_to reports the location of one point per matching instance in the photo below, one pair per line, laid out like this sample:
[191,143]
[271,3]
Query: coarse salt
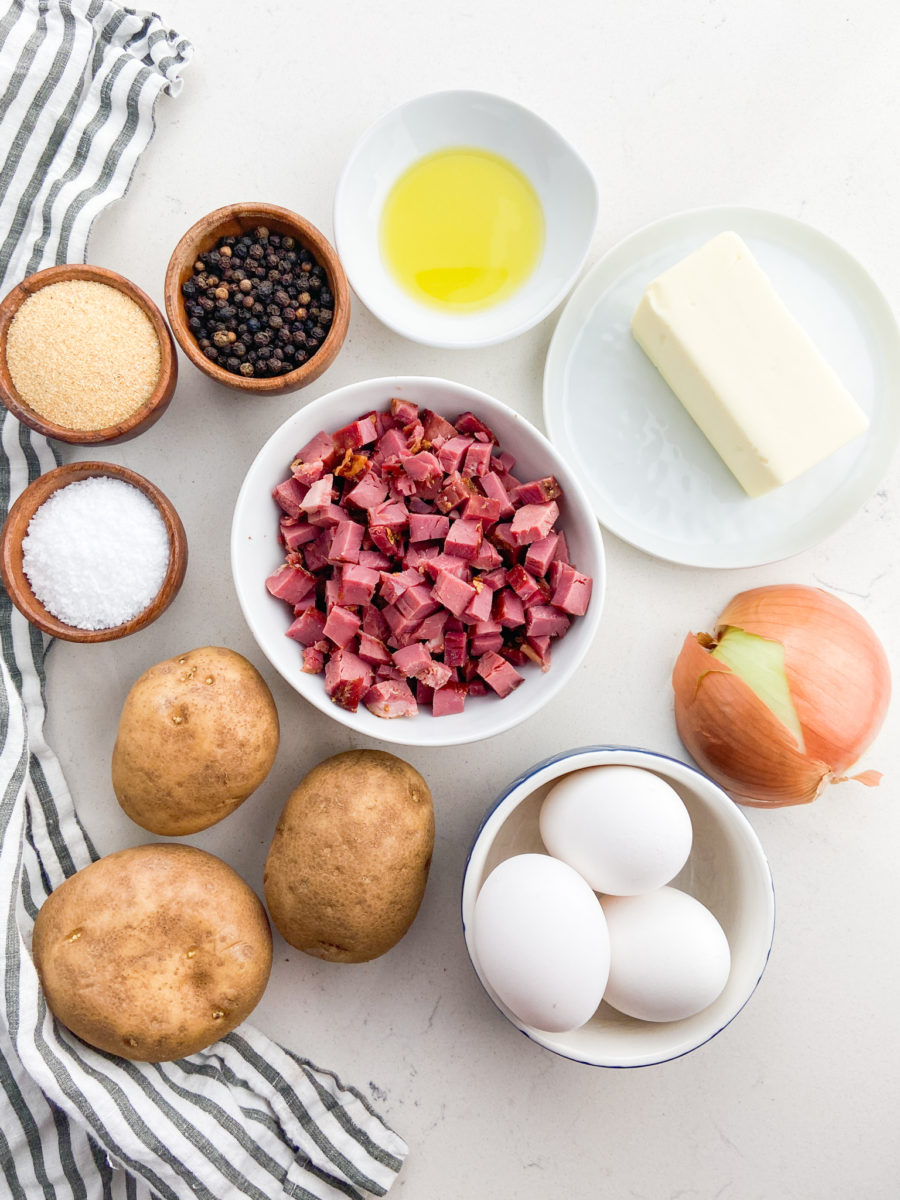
[96,552]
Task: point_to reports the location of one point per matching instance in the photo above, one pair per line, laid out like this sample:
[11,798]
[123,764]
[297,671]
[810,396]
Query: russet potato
[153,952]
[197,734]
[347,867]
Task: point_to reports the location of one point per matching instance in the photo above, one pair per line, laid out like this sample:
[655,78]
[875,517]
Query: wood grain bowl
[16,526]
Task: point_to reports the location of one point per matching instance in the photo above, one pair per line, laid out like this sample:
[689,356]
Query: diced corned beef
[415,661]
[390,698]
[508,609]
[499,674]
[326,516]
[341,625]
[481,605]
[483,643]
[317,449]
[423,467]
[402,487]
[356,434]
[424,693]
[307,473]
[313,661]
[307,627]
[431,632]
[357,584]
[315,553]
[404,411]
[289,496]
[516,655]
[393,584]
[485,509]
[501,537]
[373,622]
[416,557]
[452,453]
[467,422]
[373,650]
[392,514]
[449,699]
[478,459]
[451,563]
[545,620]
[533,521]
[540,554]
[384,421]
[487,558]
[368,492]
[505,461]
[536,491]
[401,627]
[464,538]
[415,435]
[492,485]
[495,579]
[451,591]
[421,505]
[297,533]
[346,542]
[456,491]
[319,495]
[331,593]
[435,426]
[389,671]
[389,541]
[374,560]
[455,652]
[562,549]
[347,678]
[572,592]
[538,650]
[477,687]
[527,588]
[427,527]
[291,584]
[417,603]
[389,445]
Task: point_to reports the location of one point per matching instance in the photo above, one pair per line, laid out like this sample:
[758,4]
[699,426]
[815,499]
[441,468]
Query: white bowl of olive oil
[463,219]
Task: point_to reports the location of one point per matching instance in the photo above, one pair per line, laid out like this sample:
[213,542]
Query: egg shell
[669,957]
[624,829]
[540,942]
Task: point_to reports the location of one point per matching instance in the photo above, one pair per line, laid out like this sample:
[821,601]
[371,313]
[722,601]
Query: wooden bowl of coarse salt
[92,551]
[85,356]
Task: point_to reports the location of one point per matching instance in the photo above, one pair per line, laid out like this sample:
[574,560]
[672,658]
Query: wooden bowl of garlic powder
[85,356]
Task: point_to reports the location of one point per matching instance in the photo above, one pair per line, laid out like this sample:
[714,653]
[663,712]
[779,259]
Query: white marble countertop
[789,107]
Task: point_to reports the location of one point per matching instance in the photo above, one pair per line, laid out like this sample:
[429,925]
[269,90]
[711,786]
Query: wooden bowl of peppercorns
[257,298]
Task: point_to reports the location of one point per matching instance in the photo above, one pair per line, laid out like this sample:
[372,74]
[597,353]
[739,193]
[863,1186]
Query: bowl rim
[369,297]
[515,793]
[400,731]
[27,503]
[146,414]
[202,235]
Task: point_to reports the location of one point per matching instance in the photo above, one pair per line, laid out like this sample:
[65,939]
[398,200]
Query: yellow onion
[838,679]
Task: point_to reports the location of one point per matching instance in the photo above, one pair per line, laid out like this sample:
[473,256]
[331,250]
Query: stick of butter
[748,374]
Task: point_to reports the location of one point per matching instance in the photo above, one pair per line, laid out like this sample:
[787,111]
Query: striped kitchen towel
[78,84]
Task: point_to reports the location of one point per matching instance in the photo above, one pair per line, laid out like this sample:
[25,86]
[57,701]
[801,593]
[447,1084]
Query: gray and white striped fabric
[78,83]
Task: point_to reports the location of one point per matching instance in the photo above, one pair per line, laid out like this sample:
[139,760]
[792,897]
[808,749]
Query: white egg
[623,828]
[668,956]
[540,941]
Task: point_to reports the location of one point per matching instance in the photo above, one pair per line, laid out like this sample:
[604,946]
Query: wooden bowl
[16,526]
[234,220]
[142,418]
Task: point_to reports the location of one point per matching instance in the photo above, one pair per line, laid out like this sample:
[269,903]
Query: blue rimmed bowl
[727,871]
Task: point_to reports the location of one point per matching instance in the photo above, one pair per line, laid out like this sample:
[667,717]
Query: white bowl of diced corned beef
[417,560]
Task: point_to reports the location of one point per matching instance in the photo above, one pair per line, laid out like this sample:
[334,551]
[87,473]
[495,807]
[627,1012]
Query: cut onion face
[784,698]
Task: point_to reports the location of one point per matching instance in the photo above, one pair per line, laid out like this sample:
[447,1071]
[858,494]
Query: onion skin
[840,684]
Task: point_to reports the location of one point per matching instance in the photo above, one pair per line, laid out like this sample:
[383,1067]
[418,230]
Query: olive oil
[462,229]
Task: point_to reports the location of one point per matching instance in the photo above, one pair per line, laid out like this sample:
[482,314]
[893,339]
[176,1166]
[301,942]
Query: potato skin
[349,861]
[198,733]
[154,952]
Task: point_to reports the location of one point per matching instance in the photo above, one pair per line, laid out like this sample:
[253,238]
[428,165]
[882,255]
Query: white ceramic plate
[564,184]
[650,474]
